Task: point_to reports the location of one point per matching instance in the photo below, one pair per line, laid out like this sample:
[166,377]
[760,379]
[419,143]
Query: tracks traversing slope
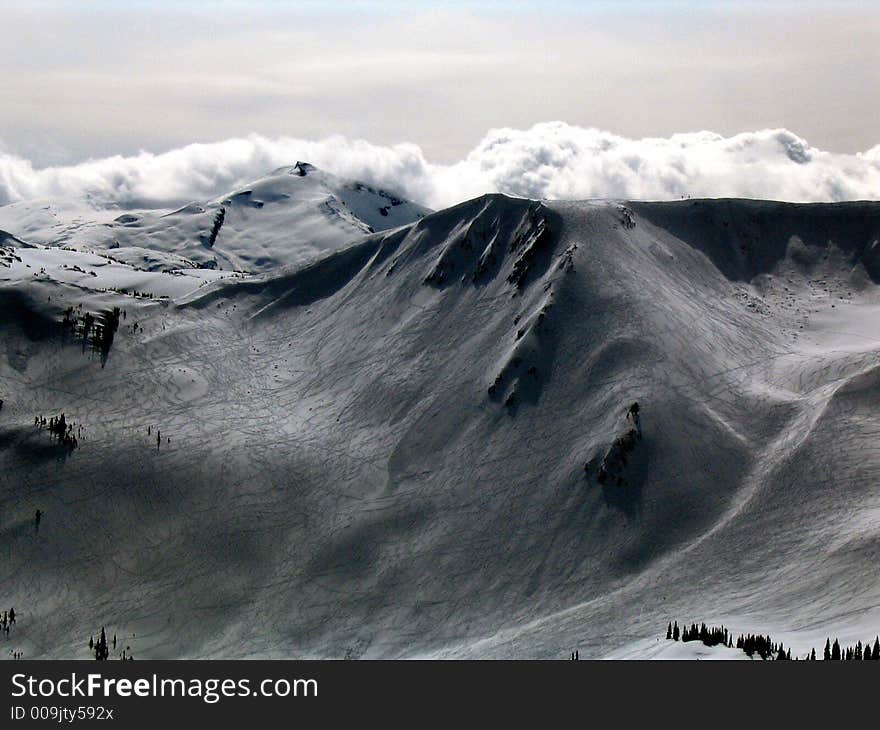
[341,479]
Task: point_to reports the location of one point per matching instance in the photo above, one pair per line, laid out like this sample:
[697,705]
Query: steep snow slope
[284,218]
[424,444]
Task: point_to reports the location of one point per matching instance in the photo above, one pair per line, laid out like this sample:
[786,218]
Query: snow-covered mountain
[287,217]
[509,429]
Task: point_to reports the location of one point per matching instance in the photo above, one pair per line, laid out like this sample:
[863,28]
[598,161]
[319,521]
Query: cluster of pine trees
[709,636]
[98,332]
[134,293]
[102,651]
[106,331]
[751,644]
[858,652]
[8,620]
[765,647]
[101,648]
[67,433]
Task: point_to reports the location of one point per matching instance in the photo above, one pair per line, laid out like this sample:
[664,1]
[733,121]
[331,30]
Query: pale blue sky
[94,77]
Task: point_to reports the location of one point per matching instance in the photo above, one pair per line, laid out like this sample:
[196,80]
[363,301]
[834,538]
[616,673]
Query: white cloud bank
[549,160]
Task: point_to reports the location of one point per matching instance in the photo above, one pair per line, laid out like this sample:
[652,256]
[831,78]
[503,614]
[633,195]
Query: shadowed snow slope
[284,218]
[423,444]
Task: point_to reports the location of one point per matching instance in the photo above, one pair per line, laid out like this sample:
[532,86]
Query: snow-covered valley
[341,441]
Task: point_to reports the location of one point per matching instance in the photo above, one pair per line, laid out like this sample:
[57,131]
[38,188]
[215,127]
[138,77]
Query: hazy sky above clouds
[95,78]
[91,78]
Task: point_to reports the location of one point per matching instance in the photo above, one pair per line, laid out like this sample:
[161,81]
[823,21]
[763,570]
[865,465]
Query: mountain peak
[303,168]
[286,217]
[300,169]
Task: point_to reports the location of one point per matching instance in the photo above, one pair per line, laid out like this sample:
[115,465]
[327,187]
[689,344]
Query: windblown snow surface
[395,450]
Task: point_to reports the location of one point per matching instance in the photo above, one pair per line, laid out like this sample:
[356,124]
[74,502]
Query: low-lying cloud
[550,160]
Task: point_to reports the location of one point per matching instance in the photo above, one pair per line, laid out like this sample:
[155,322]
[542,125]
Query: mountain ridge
[286,217]
[405,460]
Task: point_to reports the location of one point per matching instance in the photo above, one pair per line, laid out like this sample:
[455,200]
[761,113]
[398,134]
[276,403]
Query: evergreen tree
[835,651]
[827,654]
[101,651]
